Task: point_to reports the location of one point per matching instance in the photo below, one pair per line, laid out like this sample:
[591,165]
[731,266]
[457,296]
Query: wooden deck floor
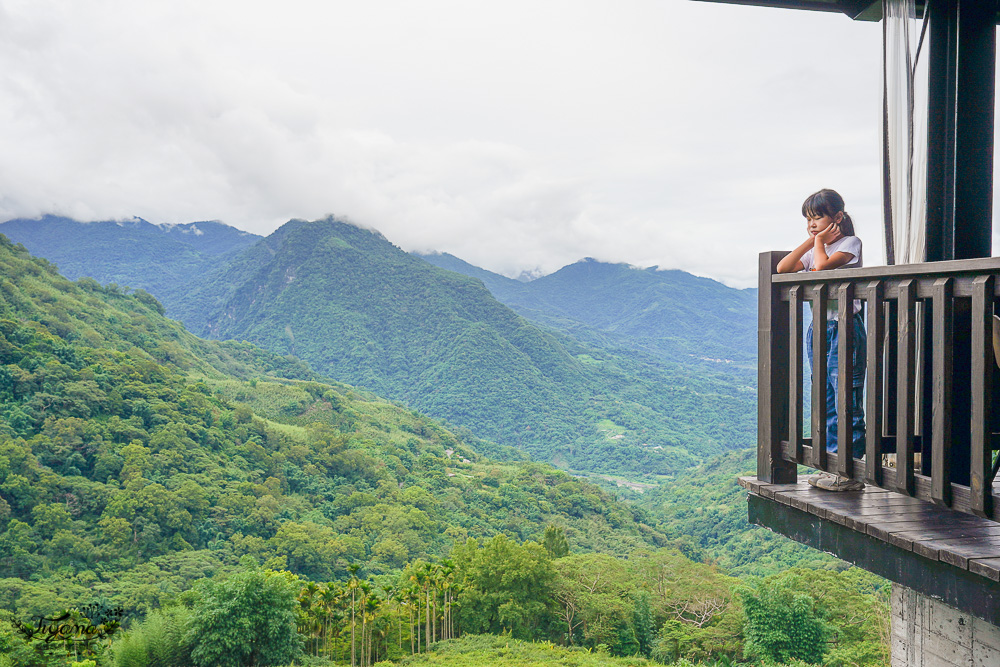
[963,541]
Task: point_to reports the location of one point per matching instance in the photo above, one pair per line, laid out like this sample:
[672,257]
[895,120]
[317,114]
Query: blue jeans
[857,389]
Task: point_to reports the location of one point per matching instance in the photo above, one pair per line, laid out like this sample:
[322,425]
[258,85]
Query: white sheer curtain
[904,73]
[905,88]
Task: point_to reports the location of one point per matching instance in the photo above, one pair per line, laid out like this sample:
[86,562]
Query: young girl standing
[831,244]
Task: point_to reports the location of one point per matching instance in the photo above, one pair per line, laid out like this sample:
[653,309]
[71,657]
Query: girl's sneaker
[830,482]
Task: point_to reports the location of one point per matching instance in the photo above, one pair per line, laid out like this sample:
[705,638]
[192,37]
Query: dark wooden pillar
[961,72]
[961,79]
[772,376]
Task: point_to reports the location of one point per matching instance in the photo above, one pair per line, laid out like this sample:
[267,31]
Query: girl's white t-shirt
[849,244]
[852,246]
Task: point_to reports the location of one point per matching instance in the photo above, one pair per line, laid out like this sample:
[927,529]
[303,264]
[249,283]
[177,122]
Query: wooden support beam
[795,371]
[845,380]
[772,375]
[819,370]
[961,100]
[983,364]
[941,391]
[905,386]
[873,380]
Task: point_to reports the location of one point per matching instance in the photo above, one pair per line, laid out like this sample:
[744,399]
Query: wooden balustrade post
[845,380]
[819,377]
[795,371]
[906,386]
[772,376]
[943,345]
[981,450]
[873,378]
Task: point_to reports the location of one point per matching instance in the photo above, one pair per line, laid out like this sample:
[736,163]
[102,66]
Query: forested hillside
[705,509]
[160,259]
[362,311]
[167,481]
[670,314]
[135,457]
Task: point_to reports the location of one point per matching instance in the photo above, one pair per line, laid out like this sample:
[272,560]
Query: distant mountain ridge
[362,311]
[670,313]
[159,258]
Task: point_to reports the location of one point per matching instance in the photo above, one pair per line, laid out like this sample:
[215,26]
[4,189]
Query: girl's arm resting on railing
[792,262]
[834,261]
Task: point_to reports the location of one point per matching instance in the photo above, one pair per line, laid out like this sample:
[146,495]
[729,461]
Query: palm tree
[383,633]
[419,577]
[306,600]
[437,579]
[366,593]
[328,600]
[371,607]
[447,582]
[352,585]
[392,595]
[424,579]
[412,599]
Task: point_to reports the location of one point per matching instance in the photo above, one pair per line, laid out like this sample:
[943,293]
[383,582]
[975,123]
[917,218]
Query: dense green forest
[125,470]
[360,310]
[705,511]
[485,604]
[196,502]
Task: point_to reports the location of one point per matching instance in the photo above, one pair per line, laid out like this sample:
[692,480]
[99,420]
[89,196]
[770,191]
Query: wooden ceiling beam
[853,8]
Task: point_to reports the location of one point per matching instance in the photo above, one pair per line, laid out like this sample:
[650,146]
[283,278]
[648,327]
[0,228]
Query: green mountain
[143,467]
[360,310]
[136,458]
[161,259]
[671,314]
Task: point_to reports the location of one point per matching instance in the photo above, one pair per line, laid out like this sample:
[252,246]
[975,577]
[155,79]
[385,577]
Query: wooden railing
[929,386]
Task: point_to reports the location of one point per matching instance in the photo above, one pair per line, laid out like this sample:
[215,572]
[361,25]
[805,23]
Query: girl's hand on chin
[830,234]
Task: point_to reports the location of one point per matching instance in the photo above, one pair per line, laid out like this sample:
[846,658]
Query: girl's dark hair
[828,202]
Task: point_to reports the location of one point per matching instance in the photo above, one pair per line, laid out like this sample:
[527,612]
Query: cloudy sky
[520,135]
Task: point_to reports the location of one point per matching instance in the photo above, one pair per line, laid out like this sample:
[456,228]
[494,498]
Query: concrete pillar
[928,633]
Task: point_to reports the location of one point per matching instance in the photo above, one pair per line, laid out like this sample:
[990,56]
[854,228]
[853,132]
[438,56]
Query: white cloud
[517,135]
